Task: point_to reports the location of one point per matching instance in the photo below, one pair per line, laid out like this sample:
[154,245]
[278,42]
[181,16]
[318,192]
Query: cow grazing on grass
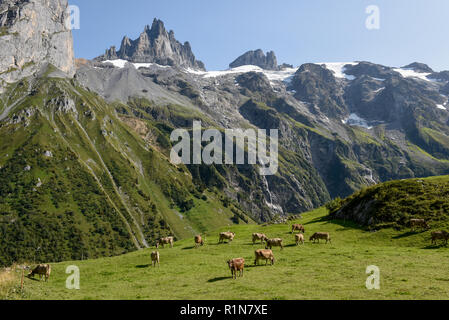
[199,241]
[266,255]
[440,235]
[259,237]
[226,236]
[299,238]
[418,223]
[236,265]
[43,270]
[164,241]
[155,259]
[321,235]
[277,242]
[298,227]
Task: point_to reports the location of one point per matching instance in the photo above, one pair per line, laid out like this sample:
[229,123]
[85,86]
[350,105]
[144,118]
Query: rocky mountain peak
[419,67]
[33,34]
[157,28]
[257,58]
[365,68]
[155,45]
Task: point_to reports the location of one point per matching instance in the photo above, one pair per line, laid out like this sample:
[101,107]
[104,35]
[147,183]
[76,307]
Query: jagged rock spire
[155,45]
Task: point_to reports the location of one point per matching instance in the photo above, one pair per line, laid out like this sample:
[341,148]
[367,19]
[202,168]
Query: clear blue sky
[298,31]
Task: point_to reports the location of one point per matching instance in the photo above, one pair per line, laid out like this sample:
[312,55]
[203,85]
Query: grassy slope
[410,268]
[103,187]
[394,203]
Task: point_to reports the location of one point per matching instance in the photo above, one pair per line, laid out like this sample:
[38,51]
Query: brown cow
[259,237]
[164,241]
[264,255]
[43,270]
[277,242]
[236,265]
[321,235]
[155,259]
[437,235]
[418,223]
[199,241]
[298,227]
[226,236]
[299,238]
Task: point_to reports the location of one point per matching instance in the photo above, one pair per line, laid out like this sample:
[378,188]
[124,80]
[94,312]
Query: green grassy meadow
[410,268]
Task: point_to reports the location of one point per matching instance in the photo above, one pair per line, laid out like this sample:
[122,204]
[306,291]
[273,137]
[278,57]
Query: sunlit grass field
[410,268]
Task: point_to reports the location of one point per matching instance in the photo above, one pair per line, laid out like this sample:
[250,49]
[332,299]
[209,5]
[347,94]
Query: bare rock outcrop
[155,45]
[33,34]
[257,58]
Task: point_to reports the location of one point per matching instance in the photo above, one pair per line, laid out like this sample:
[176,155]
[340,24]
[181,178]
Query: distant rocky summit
[155,45]
[257,58]
[33,34]
[419,67]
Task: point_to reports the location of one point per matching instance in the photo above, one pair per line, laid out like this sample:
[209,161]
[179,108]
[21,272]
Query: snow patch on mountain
[284,75]
[338,69]
[216,74]
[355,120]
[409,73]
[120,63]
[379,90]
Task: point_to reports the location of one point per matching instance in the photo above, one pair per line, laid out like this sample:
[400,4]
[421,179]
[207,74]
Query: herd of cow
[237,265]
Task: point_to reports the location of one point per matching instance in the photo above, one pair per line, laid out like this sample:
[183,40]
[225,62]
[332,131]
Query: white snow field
[338,68]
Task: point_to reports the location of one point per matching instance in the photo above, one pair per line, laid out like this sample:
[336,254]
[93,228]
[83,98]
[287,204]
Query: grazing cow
[299,238]
[259,237]
[437,235]
[236,265]
[414,223]
[277,242]
[199,241]
[226,236]
[298,227]
[264,255]
[155,259]
[321,235]
[43,270]
[164,241]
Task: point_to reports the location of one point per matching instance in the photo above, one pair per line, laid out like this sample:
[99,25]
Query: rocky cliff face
[317,85]
[155,45]
[33,33]
[257,58]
